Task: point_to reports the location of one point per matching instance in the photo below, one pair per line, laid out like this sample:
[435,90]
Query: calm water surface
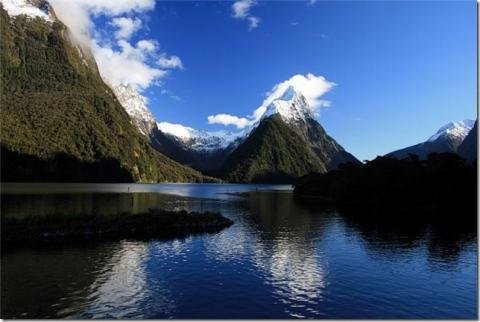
[279,260]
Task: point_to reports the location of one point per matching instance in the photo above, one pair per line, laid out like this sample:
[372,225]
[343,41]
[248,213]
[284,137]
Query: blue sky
[402,69]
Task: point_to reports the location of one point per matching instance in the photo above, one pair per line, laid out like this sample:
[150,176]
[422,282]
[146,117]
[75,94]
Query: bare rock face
[136,107]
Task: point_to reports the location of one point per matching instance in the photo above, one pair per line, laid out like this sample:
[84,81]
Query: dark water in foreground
[279,260]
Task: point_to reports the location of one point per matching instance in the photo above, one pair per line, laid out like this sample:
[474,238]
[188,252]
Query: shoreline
[36,188]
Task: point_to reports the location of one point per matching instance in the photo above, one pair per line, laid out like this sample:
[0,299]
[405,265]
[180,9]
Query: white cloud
[253,22]
[144,48]
[147,45]
[312,2]
[76,13]
[170,62]
[77,19]
[126,26]
[119,60]
[241,10]
[227,119]
[111,7]
[312,87]
[126,66]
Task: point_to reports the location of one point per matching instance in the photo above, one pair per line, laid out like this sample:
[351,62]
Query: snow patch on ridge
[457,129]
[28,8]
[200,140]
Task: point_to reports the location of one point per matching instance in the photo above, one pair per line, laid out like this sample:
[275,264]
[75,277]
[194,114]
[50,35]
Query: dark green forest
[57,114]
[272,153]
[443,182]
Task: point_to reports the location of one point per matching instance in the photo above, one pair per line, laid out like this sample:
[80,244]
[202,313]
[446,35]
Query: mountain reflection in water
[278,260]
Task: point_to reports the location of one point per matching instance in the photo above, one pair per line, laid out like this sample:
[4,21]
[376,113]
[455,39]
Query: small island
[154,224]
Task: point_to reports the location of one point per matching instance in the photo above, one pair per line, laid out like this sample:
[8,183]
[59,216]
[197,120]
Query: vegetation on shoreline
[154,224]
[442,183]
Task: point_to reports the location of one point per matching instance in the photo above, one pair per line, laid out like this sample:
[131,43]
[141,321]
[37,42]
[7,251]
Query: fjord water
[279,260]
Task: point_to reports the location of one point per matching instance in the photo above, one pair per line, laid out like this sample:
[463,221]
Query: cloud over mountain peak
[310,86]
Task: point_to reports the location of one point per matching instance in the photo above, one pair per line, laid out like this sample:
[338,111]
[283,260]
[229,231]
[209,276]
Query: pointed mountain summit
[273,153]
[292,107]
[447,139]
[287,143]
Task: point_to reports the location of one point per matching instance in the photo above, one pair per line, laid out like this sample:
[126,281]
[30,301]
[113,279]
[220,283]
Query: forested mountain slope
[59,120]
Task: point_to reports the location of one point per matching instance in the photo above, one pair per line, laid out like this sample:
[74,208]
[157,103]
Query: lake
[280,260]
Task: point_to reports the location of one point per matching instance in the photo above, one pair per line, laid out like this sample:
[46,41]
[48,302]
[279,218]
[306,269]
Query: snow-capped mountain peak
[454,130]
[291,106]
[136,106]
[30,8]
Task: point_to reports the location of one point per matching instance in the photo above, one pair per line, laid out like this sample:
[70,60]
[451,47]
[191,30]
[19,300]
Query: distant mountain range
[448,138]
[285,143]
